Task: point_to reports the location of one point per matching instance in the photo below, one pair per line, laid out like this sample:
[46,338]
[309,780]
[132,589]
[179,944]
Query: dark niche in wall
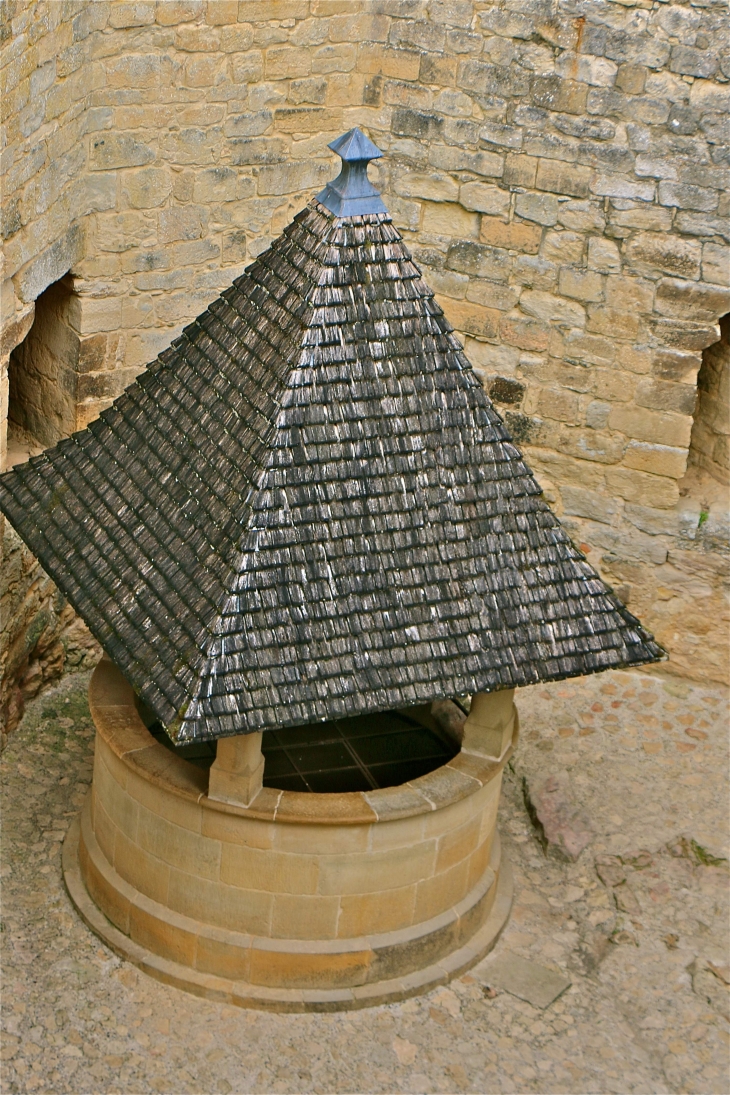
[710,443]
[43,374]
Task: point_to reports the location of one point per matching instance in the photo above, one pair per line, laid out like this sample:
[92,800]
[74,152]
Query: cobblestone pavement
[638,924]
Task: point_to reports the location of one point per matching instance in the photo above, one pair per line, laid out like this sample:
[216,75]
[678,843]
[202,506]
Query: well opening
[362,753]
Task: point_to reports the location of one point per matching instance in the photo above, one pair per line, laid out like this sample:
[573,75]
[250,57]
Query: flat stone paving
[645,950]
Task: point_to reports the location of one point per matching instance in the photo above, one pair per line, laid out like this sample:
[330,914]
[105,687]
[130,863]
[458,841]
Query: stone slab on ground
[530,981]
[645,1013]
[561,825]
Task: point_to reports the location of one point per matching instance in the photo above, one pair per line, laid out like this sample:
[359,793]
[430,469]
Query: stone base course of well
[300,901]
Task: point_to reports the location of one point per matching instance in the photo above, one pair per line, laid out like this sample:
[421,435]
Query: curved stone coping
[244,993]
[117,720]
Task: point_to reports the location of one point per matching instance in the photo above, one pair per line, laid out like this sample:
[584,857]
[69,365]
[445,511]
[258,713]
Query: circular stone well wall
[298,901]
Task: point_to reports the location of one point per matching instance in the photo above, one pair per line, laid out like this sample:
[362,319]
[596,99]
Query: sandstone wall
[559,169]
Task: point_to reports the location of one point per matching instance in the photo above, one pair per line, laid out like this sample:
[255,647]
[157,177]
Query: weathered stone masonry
[559,169]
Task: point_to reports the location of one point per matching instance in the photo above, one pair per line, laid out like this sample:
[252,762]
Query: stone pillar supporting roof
[307,506]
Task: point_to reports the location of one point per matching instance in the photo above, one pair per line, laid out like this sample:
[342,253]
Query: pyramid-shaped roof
[307,508]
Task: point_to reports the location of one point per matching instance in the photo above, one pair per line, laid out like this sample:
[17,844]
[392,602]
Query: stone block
[554,92]
[181,223]
[560,406]
[452,13]
[593,504]
[493,295]
[653,252]
[376,59]
[308,970]
[377,871]
[195,251]
[440,70]
[221,12]
[629,294]
[269,871]
[247,151]
[104,828]
[603,255]
[145,872]
[597,71]
[580,284]
[177,846]
[637,486]
[562,247]
[687,196]
[560,178]
[676,365]
[504,136]
[414,34]
[210,902]
[449,219]
[483,198]
[431,187]
[581,216]
[631,78]
[541,208]
[515,236]
[292,178]
[334,58]
[692,300]
[490,79]
[295,916]
[520,170]
[223,959]
[526,334]
[264,11]
[371,913]
[286,63]
[478,260]
[51,264]
[684,335]
[645,425]
[716,263]
[456,846]
[693,62]
[138,13]
[529,981]
[414,123]
[617,186]
[656,459]
[663,395]
[147,187]
[447,283]
[472,319]
[163,937]
[548,308]
[435,895]
[109,790]
[173,12]
[233,247]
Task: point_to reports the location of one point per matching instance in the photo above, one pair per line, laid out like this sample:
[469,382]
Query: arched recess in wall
[39,634]
[42,374]
[709,447]
[704,489]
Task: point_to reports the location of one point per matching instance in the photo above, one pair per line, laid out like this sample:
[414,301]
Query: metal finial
[352,194]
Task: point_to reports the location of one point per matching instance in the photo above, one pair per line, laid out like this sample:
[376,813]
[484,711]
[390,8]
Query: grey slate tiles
[307,508]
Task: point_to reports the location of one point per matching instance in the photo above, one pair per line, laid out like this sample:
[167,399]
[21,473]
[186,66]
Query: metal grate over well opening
[361,753]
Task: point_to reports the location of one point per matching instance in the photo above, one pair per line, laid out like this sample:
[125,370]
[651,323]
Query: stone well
[298,901]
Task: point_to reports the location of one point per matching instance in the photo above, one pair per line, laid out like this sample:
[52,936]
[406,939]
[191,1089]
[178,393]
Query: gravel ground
[638,924]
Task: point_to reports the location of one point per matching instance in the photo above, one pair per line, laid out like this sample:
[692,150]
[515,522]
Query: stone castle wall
[560,171]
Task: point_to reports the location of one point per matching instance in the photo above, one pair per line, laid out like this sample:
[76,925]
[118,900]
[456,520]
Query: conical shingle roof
[307,508]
